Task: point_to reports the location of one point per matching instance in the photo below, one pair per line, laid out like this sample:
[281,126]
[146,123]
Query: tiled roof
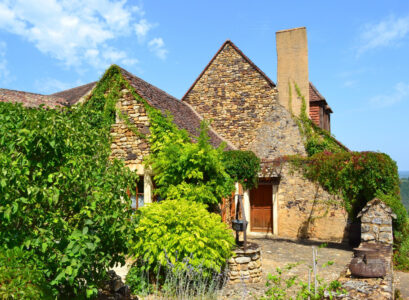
[228,42]
[183,114]
[30,99]
[73,95]
[315,96]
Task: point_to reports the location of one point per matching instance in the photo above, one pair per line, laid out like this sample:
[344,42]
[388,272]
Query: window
[138,197]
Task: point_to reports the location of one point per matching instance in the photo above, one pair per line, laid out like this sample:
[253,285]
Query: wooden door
[261,208]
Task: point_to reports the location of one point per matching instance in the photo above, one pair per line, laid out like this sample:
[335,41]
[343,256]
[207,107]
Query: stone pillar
[246,204]
[376,223]
[275,209]
[147,187]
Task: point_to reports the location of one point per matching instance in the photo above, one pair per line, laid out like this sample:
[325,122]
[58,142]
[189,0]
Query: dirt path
[402,283]
[278,253]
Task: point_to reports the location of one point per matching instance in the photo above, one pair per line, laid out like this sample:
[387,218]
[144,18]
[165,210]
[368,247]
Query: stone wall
[242,104]
[305,210]
[376,223]
[126,145]
[245,266]
[376,235]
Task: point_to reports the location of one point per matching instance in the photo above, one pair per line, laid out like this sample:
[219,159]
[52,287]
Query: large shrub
[21,277]
[184,169]
[61,197]
[175,235]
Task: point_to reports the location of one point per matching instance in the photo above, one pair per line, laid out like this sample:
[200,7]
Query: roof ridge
[31,93]
[30,99]
[316,91]
[248,60]
[155,87]
[73,88]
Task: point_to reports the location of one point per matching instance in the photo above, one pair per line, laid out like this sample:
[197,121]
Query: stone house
[248,111]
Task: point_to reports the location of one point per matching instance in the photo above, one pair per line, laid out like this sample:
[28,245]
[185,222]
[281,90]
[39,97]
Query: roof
[73,95]
[183,114]
[31,99]
[248,60]
[315,96]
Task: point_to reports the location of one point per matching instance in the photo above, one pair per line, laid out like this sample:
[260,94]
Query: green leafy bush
[61,196]
[20,277]
[357,176]
[175,235]
[243,167]
[187,170]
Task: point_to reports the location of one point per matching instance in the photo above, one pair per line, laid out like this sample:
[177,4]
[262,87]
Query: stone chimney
[292,68]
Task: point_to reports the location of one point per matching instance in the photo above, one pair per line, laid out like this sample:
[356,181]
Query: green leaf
[68,270]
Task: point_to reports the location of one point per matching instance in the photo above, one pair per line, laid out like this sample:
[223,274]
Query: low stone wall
[369,288]
[376,233]
[245,266]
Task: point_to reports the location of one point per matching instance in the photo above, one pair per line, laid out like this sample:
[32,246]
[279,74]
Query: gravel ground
[280,252]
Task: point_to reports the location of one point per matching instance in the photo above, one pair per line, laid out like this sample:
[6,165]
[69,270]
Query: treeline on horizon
[404,192]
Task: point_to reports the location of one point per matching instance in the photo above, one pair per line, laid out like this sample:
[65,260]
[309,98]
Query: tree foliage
[184,169]
[21,277]
[243,167]
[404,192]
[61,197]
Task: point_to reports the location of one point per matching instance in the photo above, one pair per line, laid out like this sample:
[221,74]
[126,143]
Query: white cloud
[4,71]
[73,31]
[157,46]
[400,93]
[142,28]
[386,33]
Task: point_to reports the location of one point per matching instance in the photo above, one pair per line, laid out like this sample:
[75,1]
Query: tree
[62,199]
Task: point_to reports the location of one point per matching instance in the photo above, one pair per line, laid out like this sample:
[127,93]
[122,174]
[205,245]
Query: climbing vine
[357,176]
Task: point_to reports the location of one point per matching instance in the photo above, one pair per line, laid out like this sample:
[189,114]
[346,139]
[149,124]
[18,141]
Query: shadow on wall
[320,210]
[304,231]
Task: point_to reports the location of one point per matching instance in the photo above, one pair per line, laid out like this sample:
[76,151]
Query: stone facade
[376,223]
[245,266]
[126,145]
[243,106]
[305,210]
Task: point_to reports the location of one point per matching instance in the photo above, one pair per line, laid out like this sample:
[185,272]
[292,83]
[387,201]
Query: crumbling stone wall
[306,210]
[127,145]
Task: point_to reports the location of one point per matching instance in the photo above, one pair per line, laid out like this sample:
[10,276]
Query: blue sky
[358,51]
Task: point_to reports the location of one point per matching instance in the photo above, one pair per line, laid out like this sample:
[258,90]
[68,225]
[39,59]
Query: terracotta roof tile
[315,96]
[31,99]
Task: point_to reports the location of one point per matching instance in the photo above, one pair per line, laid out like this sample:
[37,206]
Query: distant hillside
[403,174]
[404,191]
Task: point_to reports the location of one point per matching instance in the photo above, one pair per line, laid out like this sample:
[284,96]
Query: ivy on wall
[357,176]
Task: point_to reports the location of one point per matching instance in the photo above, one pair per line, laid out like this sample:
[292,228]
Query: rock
[242,259]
